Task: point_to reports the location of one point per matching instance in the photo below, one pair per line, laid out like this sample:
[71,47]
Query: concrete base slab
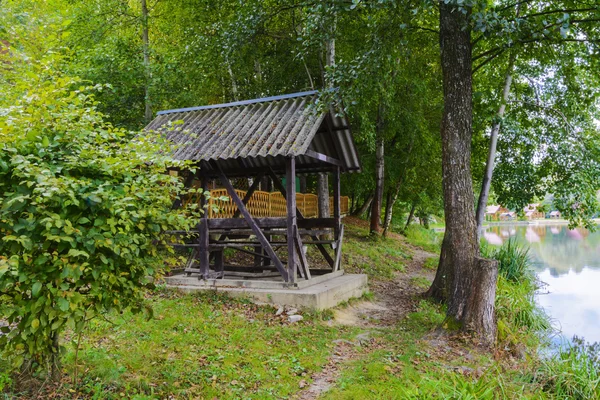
[319,296]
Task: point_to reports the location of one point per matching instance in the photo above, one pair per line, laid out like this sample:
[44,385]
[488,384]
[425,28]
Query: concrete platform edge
[320,296]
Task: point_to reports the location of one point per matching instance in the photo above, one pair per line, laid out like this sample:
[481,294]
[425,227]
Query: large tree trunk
[459,259]
[323,195]
[379,174]
[147,71]
[489,166]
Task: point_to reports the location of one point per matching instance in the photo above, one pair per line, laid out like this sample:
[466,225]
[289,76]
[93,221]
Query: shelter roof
[246,136]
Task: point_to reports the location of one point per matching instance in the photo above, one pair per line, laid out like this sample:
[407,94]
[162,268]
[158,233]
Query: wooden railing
[265,204]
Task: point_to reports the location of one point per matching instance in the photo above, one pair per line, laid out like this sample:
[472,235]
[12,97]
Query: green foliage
[574,372]
[202,345]
[375,256]
[514,262]
[426,239]
[83,208]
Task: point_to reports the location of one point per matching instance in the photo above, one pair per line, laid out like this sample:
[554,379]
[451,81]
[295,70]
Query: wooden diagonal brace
[257,231]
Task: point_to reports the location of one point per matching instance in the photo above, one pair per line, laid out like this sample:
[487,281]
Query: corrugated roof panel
[259,133]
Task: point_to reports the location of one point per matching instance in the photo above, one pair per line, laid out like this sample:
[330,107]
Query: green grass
[427,239]
[375,256]
[407,367]
[420,282]
[432,263]
[201,346]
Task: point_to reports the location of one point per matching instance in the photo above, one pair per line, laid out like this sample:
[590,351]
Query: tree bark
[479,317]
[234,88]
[147,71]
[389,206]
[323,195]
[365,206]
[457,270]
[302,179]
[489,166]
[379,174]
[411,214]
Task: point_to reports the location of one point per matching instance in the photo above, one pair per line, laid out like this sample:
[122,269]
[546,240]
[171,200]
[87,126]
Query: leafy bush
[82,209]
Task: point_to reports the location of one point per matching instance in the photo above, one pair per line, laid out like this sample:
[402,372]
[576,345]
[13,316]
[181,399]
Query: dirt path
[393,300]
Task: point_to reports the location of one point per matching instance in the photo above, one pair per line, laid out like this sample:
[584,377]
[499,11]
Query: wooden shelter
[274,137]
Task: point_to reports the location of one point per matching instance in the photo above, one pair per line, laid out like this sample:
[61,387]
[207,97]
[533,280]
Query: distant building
[507,216]
[554,214]
[493,213]
[531,211]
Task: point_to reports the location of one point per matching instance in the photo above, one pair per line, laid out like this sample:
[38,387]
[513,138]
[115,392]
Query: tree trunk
[457,270]
[365,206]
[302,179]
[147,72]
[323,194]
[379,175]
[55,367]
[387,218]
[411,214]
[489,166]
[389,206]
[479,317]
[234,88]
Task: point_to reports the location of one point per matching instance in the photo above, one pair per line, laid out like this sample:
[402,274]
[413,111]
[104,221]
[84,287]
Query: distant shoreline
[533,222]
[523,223]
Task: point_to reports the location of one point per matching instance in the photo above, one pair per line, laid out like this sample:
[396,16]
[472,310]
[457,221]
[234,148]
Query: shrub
[82,209]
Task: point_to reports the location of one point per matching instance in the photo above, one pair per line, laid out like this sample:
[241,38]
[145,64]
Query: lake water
[568,261]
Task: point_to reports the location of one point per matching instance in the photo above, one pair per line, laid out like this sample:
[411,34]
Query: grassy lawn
[206,345]
[375,256]
[201,346]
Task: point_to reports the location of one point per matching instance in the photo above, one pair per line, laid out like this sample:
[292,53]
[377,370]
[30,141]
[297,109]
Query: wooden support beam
[301,218]
[219,261]
[323,157]
[250,191]
[203,237]
[336,203]
[304,268]
[239,223]
[338,251]
[290,181]
[246,214]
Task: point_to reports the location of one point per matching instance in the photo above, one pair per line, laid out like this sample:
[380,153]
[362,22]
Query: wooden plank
[338,250]
[323,157]
[203,236]
[259,234]
[219,261]
[304,268]
[336,203]
[240,223]
[290,181]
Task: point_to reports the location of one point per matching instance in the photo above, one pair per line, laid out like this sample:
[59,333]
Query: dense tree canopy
[530,79]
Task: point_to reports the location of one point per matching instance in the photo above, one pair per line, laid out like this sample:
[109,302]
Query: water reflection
[569,262]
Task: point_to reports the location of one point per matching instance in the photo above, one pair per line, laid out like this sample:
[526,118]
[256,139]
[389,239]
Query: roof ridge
[240,103]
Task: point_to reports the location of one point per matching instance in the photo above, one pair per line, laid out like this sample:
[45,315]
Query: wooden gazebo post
[292,222]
